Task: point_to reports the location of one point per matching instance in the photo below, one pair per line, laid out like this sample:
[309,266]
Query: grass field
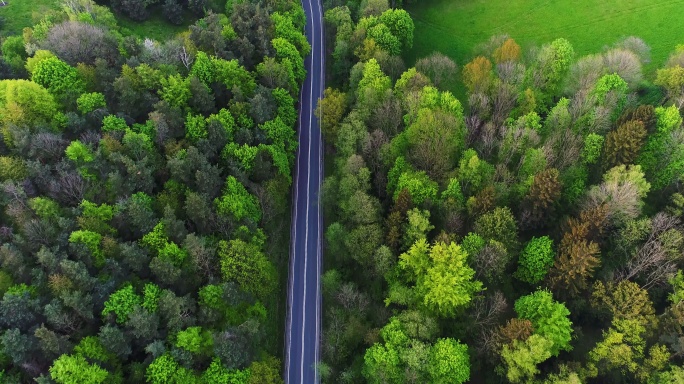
[156,27]
[456,27]
[18,14]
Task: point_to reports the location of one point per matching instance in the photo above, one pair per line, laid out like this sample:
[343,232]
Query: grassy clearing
[156,27]
[456,27]
[19,14]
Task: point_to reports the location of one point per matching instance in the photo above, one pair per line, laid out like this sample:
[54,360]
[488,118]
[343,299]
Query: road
[303,328]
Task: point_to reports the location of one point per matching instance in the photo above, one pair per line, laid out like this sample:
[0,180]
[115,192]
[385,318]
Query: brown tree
[508,51]
[577,259]
[623,144]
[543,194]
[477,74]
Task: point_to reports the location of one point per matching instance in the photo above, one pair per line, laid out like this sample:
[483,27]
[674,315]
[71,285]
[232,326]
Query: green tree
[247,265]
[419,186]
[266,371]
[57,76]
[330,110]
[444,281]
[122,303]
[175,91]
[236,202]
[24,102]
[166,370]
[522,357]
[68,369]
[499,225]
[549,319]
[92,241]
[194,340]
[400,24]
[591,152]
[535,260]
[449,362]
[662,156]
[88,102]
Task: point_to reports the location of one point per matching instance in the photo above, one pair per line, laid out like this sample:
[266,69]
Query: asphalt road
[303,328]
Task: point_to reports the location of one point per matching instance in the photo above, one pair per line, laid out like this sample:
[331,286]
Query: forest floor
[457,27]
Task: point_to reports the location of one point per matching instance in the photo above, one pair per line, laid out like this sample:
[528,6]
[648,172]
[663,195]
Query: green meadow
[18,14]
[457,27]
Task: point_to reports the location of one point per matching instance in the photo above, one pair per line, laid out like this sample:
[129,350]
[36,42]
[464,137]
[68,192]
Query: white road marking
[319,249]
[308,189]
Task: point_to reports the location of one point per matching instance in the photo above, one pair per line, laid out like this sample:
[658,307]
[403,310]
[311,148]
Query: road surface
[303,328]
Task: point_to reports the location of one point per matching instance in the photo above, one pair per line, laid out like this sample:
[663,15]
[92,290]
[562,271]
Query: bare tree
[504,97]
[68,188]
[584,73]
[622,199]
[76,43]
[655,262]
[439,68]
[626,64]
[486,310]
[637,46]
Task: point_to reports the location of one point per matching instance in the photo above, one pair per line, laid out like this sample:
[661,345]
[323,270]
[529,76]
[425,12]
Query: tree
[444,281]
[246,264]
[237,202]
[173,11]
[57,76]
[535,260]
[543,194]
[439,68]
[623,144]
[499,225]
[662,156]
[672,80]
[625,301]
[435,141]
[89,102]
[577,259]
[330,111]
[553,62]
[26,103]
[419,186]
[400,25]
[449,362]
[122,303]
[76,42]
[175,90]
[624,350]
[266,371]
[522,357]
[477,74]
[549,319]
[508,51]
[75,369]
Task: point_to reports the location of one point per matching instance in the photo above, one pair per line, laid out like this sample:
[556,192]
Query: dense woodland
[529,234]
[144,194]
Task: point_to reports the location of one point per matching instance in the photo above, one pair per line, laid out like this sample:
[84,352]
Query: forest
[144,193]
[530,233]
